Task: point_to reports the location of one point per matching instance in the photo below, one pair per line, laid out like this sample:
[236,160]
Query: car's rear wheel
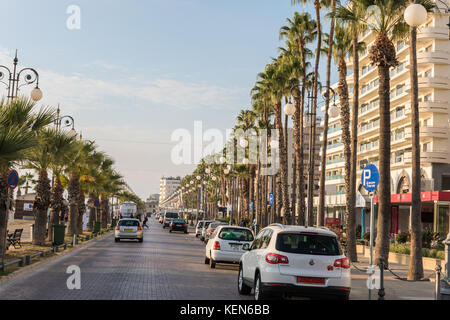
[116,239]
[260,293]
[212,263]
[170,230]
[242,287]
[206,260]
[141,240]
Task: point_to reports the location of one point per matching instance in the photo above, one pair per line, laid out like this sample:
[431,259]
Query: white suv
[295,261]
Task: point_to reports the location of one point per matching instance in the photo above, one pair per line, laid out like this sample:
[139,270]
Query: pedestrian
[144,224]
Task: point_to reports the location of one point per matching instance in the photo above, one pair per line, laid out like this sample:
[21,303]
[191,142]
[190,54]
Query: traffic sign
[96,203]
[370,177]
[13,179]
[271,198]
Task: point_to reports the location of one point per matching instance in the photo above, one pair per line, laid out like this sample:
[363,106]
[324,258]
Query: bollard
[21,262]
[56,249]
[27,260]
[438,280]
[381,292]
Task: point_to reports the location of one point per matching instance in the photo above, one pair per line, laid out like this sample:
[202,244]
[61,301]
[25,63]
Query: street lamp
[27,76]
[65,122]
[415,15]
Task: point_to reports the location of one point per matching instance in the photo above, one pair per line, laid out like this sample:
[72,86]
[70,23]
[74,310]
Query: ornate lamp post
[16,79]
[65,122]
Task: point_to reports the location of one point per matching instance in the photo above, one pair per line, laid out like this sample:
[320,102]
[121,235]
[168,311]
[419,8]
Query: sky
[137,70]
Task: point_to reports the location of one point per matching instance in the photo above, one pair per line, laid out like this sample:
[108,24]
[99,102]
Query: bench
[14,239]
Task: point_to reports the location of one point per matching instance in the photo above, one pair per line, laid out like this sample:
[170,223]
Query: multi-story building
[167,186]
[152,203]
[433,55]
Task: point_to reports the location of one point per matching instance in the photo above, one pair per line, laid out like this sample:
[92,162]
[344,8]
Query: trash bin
[96,226]
[59,231]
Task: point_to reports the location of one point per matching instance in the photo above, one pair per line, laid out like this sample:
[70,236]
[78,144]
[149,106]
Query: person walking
[144,224]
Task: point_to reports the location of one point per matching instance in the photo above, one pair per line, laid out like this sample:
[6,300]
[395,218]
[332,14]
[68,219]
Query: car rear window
[128,223]
[235,234]
[200,224]
[206,224]
[171,215]
[302,243]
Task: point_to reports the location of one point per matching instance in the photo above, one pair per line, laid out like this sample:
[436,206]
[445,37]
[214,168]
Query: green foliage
[358,231]
[402,237]
[398,248]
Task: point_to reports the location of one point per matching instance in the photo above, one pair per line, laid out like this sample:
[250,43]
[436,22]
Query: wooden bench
[14,239]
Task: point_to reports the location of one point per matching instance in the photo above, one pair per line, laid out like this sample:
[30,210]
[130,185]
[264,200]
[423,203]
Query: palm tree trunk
[81,212]
[40,207]
[300,155]
[384,189]
[351,231]
[56,205]
[73,190]
[284,196]
[415,270]
[321,207]
[3,210]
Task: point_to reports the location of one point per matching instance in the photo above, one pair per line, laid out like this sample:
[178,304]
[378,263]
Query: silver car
[129,228]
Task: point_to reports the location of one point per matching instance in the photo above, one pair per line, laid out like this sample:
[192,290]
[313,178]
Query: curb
[28,268]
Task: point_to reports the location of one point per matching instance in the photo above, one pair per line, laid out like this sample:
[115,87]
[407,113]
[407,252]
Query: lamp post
[415,15]
[19,78]
[65,122]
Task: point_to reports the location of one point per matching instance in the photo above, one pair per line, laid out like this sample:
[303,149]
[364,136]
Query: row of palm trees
[292,75]
[30,141]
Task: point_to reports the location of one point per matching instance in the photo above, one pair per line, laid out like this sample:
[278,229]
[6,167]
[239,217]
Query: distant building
[152,203]
[167,186]
[24,206]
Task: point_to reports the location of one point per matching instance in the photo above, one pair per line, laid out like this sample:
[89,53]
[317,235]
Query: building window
[426,147]
[400,45]
[427,98]
[399,112]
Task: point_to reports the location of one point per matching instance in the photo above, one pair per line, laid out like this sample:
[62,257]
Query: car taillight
[117,228]
[342,263]
[210,231]
[216,245]
[274,258]
[140,228]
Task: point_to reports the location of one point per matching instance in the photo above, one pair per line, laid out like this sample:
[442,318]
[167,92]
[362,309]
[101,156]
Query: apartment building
[167,186]
[433,55]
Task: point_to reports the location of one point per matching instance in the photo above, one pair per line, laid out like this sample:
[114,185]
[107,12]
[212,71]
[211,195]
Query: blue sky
[139,69]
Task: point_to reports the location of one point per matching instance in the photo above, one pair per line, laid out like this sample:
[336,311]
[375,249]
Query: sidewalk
[395,289]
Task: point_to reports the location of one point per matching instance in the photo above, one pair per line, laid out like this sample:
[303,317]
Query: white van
[128,210]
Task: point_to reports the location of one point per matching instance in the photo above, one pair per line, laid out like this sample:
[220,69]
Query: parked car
[225,244]
[294,261]
[129,228]
[211,228]
[168,217]
[204,227]
[199,227]
[178,225]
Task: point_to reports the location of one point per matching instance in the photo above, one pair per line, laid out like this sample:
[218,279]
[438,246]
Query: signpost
[13,179]
[271,198]
[370,178]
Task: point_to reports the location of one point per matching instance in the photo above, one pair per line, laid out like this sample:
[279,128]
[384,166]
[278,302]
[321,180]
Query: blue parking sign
[271,198]
[370,177]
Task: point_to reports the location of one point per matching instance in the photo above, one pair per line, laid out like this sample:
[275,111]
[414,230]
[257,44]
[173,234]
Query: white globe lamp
[36,94]
[289,109]
[334,111]
[415,15]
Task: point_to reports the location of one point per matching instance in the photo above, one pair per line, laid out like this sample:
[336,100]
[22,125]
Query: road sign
[96,203]
[370,177]
[271,198]
[13,179]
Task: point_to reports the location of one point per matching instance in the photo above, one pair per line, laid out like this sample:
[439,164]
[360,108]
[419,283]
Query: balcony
[332,147]
[433,107]
[430,157]
[436,57]
[432,132]
[424,34]
[433,83]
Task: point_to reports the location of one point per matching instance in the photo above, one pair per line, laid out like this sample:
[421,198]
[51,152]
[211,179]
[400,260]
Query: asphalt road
[165,266]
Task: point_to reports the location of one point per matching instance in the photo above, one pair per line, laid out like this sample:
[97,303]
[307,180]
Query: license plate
[129,230]
[179,225]
[310,280]
[235,247]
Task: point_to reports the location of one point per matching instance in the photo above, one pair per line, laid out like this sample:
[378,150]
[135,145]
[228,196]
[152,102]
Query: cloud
[81,91]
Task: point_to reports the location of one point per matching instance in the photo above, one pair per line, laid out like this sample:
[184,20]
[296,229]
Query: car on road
[199,227]
[168,217]
[129,228]
[178,225]
[204,228]
[294,261]
[211,228]
[225,244]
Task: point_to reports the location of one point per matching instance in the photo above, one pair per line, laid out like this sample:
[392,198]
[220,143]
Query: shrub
[358,231]
[398,248]
[440,255]
[402,237]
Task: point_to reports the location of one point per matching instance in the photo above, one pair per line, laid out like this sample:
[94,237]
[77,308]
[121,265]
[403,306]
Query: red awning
[428,196]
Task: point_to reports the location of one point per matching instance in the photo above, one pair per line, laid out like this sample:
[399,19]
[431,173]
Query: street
[166,266]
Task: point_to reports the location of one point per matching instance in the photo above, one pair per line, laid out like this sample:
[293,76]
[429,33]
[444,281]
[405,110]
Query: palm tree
[26,179]
[321,206]
[19,125]
[302,31]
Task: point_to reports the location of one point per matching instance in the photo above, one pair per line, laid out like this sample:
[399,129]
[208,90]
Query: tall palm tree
[19,127]
[302,31]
